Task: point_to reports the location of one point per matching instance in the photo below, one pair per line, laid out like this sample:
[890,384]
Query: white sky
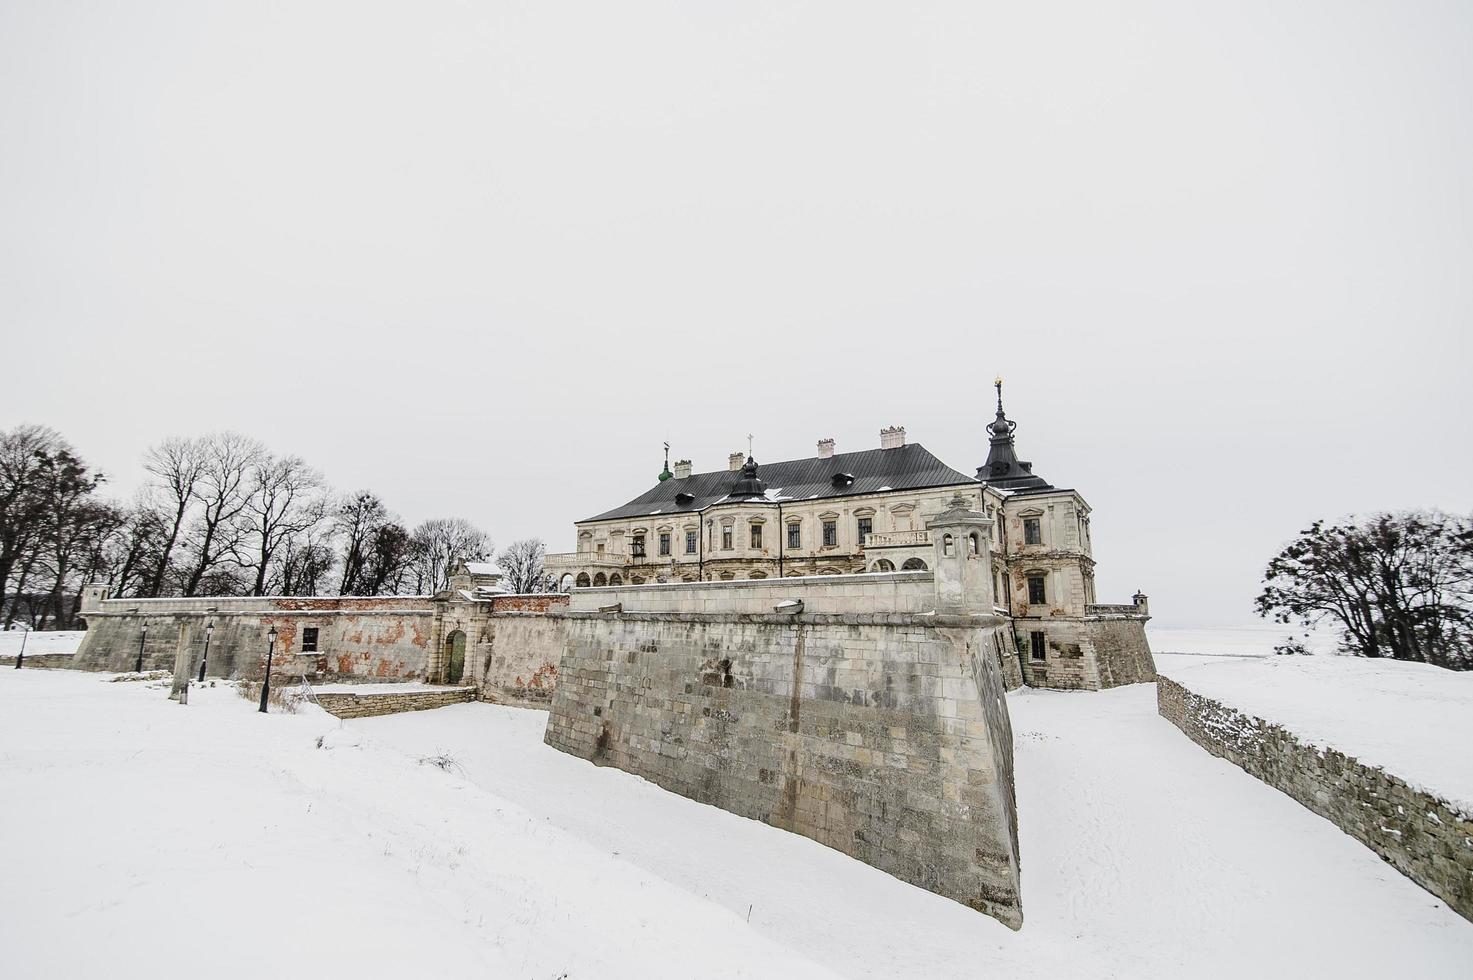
[484,258]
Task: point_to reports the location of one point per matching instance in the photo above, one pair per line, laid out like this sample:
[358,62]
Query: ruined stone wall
[387,638]
[883,735]
[371,705]
[1425,838]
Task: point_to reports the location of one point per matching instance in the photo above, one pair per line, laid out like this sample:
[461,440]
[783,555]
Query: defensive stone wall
[385,638]
[513,645]
[888,741]
[370,705]
[895,592]
[1424,837]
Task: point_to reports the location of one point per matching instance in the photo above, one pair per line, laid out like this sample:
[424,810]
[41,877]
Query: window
[636,547]
[972,544]
[1035,589]
[795,535]
[690,542]
[1032,532]
[309,639]
[664,544]
[946,545]
[756,537]
[1038,649]
[866,526]
[726,538]
[830,534]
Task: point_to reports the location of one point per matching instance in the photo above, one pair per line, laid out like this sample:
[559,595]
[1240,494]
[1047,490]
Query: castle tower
[962,543]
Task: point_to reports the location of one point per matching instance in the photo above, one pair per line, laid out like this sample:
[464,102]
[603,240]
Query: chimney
[825,448]
[682,469]
[735,461]
[893,437]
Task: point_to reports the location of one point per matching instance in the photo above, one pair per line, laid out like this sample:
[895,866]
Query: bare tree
[522,561]
[230,460]
[284,502]
[438,545]
[177,467]
[1399,585]
[24,453]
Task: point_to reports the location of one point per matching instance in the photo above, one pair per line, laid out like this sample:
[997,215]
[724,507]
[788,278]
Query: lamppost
[209,628]
[266,681]
[142,638]
[20,657]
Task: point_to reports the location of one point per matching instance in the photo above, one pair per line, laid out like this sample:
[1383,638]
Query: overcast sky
[484,258]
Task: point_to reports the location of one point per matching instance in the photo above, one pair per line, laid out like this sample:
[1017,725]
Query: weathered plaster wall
[384,638]
[885,736]
[1424,837]
[370,705]
[907,592]
[1085,654]
[512,645]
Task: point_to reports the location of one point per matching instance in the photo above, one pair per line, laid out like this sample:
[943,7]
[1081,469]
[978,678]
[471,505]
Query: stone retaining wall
[885,737]
[1424,837]
[369,705]
[41,661]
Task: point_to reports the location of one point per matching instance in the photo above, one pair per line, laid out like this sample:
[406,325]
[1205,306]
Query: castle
[868,512]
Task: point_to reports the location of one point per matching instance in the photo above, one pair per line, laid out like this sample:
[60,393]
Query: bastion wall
[1424,837]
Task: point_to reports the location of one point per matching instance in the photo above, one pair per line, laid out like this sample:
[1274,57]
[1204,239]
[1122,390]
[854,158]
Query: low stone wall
[884,736]
[370,705]
[1424,837]
[41,661]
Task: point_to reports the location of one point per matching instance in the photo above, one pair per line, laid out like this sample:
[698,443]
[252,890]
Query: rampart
[1425,838]
[883,734]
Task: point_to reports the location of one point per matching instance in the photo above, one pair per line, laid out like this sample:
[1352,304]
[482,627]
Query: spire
[665,474]
[1003,469]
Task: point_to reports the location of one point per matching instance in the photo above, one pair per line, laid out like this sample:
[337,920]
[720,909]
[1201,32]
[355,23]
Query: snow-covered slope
[148,839]
[1413,720]
[45,641]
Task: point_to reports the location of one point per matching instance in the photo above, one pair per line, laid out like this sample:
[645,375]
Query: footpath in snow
[146,839]
[1412,720]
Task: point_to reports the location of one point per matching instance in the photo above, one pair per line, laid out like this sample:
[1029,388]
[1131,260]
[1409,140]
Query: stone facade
[1425,838]
[372,705]
[883,734]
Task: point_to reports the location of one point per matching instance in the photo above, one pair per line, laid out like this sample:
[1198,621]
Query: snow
[1251,641]
[54,642]
[1413,720]
[144,838]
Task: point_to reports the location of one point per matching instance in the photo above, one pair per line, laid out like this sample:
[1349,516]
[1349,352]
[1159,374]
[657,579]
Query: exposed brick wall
[884,737]
[1424,837]
[47,661]
[539,603]
[369,705]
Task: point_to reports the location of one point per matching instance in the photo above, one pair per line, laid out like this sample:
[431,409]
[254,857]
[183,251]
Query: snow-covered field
[1412,720]
[44,641]
[1254,640]
[143,838]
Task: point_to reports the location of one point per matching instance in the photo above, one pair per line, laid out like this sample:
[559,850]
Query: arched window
[566,582]
[599,580]
[636,580]
[757,575]
[883,565]
[972,543]
[615,579]
[913,565]
[582,580]
[948,547]
[727,576]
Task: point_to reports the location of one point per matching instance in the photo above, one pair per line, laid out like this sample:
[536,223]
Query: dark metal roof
[908,467]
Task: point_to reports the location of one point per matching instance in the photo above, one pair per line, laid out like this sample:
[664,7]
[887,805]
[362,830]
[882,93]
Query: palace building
[867,512]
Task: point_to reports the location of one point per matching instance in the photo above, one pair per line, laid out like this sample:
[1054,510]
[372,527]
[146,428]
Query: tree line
[1396,585]
[218,515]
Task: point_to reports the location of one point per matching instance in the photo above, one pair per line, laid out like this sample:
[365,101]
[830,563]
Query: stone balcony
[898,539]
[1114,610]
[584,559]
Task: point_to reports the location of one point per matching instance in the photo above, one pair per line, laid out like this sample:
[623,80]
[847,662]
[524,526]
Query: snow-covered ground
[1254,640]
[143,838]
[39,642]
[1412,720]
[398,687]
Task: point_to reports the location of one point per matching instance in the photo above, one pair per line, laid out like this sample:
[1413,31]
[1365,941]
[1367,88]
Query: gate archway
[455,657]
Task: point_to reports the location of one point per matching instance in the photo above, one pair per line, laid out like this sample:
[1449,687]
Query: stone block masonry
[1425,838]
[885,737]
[371,705]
